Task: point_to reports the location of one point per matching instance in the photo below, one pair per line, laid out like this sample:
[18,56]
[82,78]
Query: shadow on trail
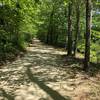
[93,69]
[53,94]
[6,95]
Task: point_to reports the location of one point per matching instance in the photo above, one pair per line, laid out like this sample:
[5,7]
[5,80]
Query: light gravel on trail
[44,73]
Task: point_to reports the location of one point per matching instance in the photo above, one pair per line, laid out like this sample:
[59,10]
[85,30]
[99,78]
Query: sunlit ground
[45,73]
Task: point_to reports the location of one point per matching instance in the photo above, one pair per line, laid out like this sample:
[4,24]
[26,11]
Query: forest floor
[45,73]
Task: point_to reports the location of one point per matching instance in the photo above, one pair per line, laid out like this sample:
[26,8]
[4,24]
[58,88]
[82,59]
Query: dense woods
[52,43]
[73,25]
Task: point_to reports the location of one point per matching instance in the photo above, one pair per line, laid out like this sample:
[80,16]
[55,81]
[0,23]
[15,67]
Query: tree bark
[87,35]
[69,46]
[77,28]
[50,29]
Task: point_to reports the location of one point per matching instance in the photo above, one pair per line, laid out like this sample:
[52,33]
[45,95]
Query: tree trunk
[87,35]
[50,29]
[69,47]
[77,28]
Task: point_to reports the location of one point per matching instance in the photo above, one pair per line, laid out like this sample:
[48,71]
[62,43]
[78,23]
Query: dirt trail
[45,74]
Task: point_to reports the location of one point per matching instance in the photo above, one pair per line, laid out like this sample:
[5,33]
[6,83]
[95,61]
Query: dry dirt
[44,73]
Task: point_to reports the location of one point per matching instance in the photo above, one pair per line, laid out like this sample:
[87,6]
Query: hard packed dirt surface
[46,73]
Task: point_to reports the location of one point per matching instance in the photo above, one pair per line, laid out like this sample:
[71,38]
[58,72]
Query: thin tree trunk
[87,35]
[69,47]
[50,28]
[77,28]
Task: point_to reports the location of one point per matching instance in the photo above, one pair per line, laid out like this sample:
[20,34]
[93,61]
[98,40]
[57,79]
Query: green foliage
[16,18]
[56,25]
[47,20]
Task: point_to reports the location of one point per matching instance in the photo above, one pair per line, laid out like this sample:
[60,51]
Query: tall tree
[88,34]
[69,46]
[77,26]
[50,28]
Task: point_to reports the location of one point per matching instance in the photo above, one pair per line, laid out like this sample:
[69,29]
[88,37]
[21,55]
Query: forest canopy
[61,23]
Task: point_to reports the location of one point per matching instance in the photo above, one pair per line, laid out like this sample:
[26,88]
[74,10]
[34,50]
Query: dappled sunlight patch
[26,63]
[63,85]
[38,50]
[30,92]
[46,51]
